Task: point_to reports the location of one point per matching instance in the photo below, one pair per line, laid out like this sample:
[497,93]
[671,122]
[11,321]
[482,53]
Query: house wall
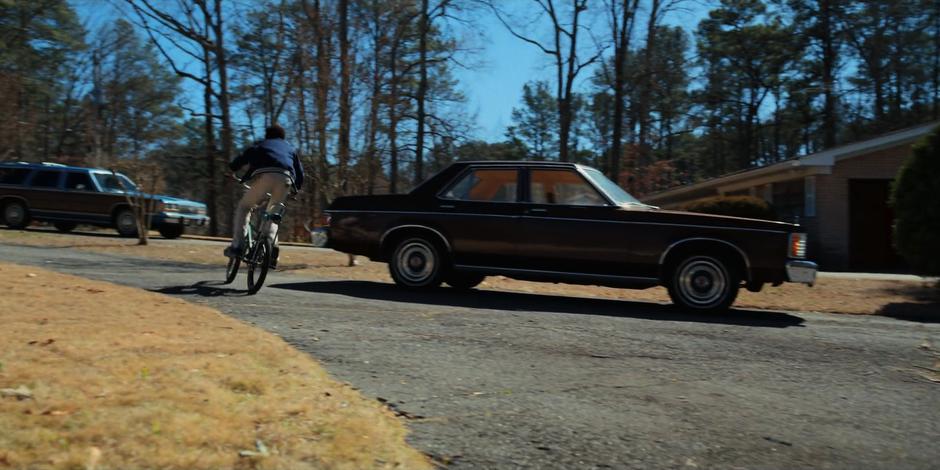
[831,224]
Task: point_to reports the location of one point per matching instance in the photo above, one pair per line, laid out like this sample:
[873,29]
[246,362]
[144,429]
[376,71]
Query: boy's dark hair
[274,132]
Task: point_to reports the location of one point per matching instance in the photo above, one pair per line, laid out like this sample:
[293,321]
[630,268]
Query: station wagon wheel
[416,263]
[15,214]
[125,222]
[703,283]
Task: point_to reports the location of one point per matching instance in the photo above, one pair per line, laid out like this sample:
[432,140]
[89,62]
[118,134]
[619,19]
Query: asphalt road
[503,380]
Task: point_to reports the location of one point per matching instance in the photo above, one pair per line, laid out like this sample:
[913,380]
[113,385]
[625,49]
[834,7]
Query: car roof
[516,163]
[46,166]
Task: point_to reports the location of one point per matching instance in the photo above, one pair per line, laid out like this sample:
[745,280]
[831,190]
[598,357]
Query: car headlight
[797,245]
[170,207]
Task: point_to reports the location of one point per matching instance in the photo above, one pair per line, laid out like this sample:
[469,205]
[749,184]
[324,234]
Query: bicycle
[259,246]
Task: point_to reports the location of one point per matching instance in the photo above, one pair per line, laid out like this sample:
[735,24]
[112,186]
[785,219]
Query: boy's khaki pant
[275,184]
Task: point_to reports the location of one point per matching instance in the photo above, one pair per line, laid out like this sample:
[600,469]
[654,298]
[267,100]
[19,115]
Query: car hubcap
[702,281]
[13,214]
[127,223]
[416,262]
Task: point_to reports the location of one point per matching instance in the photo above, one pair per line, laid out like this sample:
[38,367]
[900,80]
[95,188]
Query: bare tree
[568,64]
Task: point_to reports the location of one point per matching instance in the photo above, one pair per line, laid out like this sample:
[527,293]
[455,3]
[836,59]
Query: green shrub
[735,206]
[916,200]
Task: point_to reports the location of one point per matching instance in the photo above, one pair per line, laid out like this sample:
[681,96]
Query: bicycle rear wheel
[232,269]
[258,266]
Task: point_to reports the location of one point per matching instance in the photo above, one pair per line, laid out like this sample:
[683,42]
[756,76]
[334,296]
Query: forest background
[379,95]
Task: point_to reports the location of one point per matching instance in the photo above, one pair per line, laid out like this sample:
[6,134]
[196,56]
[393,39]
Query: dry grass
[122,378]
[852,296]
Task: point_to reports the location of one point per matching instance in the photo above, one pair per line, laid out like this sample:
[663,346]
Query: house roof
[804,164]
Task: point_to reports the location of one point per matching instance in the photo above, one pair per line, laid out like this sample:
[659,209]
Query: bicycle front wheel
[258,267]
[232,269]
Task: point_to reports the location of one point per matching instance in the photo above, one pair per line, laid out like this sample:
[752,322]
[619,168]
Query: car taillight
[797,245]
[324,220]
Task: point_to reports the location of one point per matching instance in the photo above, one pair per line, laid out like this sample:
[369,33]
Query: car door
[480,210]
[84,202]
[45,193]
[571,227]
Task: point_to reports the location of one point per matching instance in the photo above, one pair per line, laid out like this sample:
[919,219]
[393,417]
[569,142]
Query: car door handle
[447,206]
[538,211]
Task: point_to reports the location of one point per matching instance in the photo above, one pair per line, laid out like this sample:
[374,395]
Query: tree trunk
[372,164]
[345,97]
[222,68]
[422,91]
[393,118]
[829,82]
[646,85]
[323,90]
[211,199]
[622,46]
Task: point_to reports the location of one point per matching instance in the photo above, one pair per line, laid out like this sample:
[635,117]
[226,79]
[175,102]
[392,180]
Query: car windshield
[616,193]
[111,183]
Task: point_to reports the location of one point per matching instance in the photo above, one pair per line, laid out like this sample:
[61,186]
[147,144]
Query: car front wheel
[416,263]
[703,283]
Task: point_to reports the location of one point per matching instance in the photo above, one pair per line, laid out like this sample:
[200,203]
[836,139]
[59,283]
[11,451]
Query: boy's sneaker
[274,255]
[232,252]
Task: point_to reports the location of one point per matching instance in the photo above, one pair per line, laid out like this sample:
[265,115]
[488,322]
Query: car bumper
[803,272]
[320,237]
[173,218]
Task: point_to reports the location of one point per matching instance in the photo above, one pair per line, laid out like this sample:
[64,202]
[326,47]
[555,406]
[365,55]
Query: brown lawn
[94,375]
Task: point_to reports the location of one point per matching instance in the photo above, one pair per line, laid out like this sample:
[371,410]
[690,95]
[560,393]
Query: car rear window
[493,185]
[46,179]
[78,182]
[13,175]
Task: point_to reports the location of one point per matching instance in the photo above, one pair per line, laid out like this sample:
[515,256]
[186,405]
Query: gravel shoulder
[494,379]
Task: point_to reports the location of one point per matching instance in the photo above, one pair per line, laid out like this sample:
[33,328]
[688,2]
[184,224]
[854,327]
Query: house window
[809,196]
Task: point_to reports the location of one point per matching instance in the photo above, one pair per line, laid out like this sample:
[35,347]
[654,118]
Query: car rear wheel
[15,214]
[703,283]
[464,281]
[65,227]
[171,231]
[416,263]
[125,222]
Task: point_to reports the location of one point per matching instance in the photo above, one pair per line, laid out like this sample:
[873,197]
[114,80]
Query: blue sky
[496,71]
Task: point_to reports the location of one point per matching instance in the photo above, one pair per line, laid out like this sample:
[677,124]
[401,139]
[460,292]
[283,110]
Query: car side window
[78,182]
[46,179]
[484,184]
[565,187]
[13,175]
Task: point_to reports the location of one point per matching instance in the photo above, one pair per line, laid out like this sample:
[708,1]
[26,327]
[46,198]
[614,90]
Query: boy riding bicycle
[273,168]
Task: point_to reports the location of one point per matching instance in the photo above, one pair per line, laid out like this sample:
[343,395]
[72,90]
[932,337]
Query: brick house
[839,195]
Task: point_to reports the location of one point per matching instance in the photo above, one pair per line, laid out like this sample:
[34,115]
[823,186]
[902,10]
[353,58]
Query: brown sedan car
[562,222]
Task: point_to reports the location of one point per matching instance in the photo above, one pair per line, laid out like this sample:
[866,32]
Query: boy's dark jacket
[270,153]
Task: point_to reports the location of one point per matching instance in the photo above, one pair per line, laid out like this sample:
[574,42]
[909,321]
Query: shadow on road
[202,289]
[912,311]
[495,300]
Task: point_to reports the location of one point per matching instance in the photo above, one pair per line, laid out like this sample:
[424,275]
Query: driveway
[505,380]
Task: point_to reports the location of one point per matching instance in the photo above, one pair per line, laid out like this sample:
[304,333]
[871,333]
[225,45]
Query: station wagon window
[563,187]
[483,184]
[46,179]
[13,175]
[112,184]
[79,182]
